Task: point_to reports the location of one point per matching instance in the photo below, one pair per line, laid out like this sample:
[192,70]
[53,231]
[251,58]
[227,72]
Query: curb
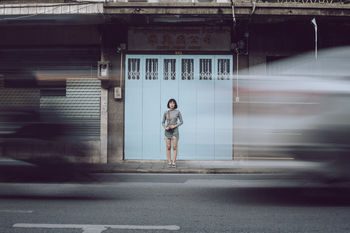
[191,170]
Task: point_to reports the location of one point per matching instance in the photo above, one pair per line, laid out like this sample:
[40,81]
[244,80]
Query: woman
[171,130]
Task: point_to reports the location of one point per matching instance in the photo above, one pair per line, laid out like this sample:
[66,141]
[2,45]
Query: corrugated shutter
[79,109]
[12,99]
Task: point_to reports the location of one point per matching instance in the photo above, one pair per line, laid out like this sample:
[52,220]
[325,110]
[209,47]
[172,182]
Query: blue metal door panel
[169,90]
[188,108]
[223,109]
[151,108]
[205,113]
[133,109]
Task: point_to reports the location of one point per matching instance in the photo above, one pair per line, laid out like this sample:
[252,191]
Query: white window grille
[205,69]
[151,69]
[134,68]
[223,69]
[187,72]
[169,69]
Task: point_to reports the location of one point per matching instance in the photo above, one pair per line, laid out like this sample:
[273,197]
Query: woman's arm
[180,120]
[163,120]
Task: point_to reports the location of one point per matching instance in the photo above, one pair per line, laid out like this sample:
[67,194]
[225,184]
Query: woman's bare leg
[174,149]
[168,149]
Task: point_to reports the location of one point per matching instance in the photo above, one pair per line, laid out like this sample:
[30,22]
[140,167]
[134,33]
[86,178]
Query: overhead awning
[51,8]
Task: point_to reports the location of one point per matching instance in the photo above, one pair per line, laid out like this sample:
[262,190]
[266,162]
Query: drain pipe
[233,13]
[254,7]
[237,67]
[313,21]
[236,50]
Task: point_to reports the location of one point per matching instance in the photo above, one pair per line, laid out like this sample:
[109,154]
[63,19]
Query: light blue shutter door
[202,87]
[151,115]
[205,116]
[169,90]
[133,108]
[188,107]
[223,108]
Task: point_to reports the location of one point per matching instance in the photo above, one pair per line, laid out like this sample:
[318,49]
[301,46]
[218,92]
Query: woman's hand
[170,127]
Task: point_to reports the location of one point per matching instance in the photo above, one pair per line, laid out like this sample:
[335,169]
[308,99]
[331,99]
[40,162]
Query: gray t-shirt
[174,116]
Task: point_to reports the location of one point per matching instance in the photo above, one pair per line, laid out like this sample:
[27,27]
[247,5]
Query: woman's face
[172,105]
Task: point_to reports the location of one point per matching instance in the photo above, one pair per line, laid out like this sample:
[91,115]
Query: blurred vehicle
[298,107]
[40,134]
[20,114]
[28,125]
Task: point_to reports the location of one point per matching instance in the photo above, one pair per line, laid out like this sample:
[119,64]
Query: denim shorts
[169,134]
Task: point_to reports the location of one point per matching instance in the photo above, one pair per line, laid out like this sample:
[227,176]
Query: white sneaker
[170,165]
[173,165]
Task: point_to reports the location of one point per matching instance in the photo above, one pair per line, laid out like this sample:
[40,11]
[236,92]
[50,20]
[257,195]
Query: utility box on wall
[103,69]
[104,73]
[117,93]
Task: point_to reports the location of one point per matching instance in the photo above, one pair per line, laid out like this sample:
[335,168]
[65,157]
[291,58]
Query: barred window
[205,69]
[151,69]
[134,68]
[223,69]
[169,69]
[187,72]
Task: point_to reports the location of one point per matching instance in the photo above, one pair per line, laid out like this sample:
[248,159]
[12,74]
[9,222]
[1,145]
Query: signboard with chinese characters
[179,39]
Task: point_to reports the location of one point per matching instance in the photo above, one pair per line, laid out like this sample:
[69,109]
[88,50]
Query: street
[175,202]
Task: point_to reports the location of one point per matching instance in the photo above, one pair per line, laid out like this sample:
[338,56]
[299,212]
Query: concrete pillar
[116,109]
[104,118]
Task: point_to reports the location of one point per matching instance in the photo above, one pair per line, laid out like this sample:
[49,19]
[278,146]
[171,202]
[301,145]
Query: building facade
[118,63]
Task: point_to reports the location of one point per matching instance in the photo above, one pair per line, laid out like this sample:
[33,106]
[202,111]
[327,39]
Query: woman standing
[171,130]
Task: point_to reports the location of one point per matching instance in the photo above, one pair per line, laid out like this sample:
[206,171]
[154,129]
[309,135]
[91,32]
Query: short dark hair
[172,100]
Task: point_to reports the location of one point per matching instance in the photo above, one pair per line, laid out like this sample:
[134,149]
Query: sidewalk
[204,167]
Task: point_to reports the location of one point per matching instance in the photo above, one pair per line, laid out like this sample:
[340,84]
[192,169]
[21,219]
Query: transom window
[151,69]
[187,72]
[205,69]
[223,69]
[169,69]
[134,68]
[173,67]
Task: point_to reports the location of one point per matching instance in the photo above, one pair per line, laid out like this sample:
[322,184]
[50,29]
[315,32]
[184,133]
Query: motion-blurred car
[29,125]
[300,110]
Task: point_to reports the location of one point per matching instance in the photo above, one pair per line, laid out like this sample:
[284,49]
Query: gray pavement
[189,203]
[206,167]
[187,166]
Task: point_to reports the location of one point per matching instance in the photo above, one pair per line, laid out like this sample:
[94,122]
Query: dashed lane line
[97,228]
[17,211]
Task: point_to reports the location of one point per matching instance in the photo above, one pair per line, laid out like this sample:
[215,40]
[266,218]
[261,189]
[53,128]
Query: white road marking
[17,211]
[272,183]
[97,228]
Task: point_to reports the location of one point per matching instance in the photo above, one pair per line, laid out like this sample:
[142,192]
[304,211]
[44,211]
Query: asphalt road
[175,203]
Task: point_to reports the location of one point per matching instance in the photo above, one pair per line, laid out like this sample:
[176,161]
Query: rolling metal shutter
[80,108]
